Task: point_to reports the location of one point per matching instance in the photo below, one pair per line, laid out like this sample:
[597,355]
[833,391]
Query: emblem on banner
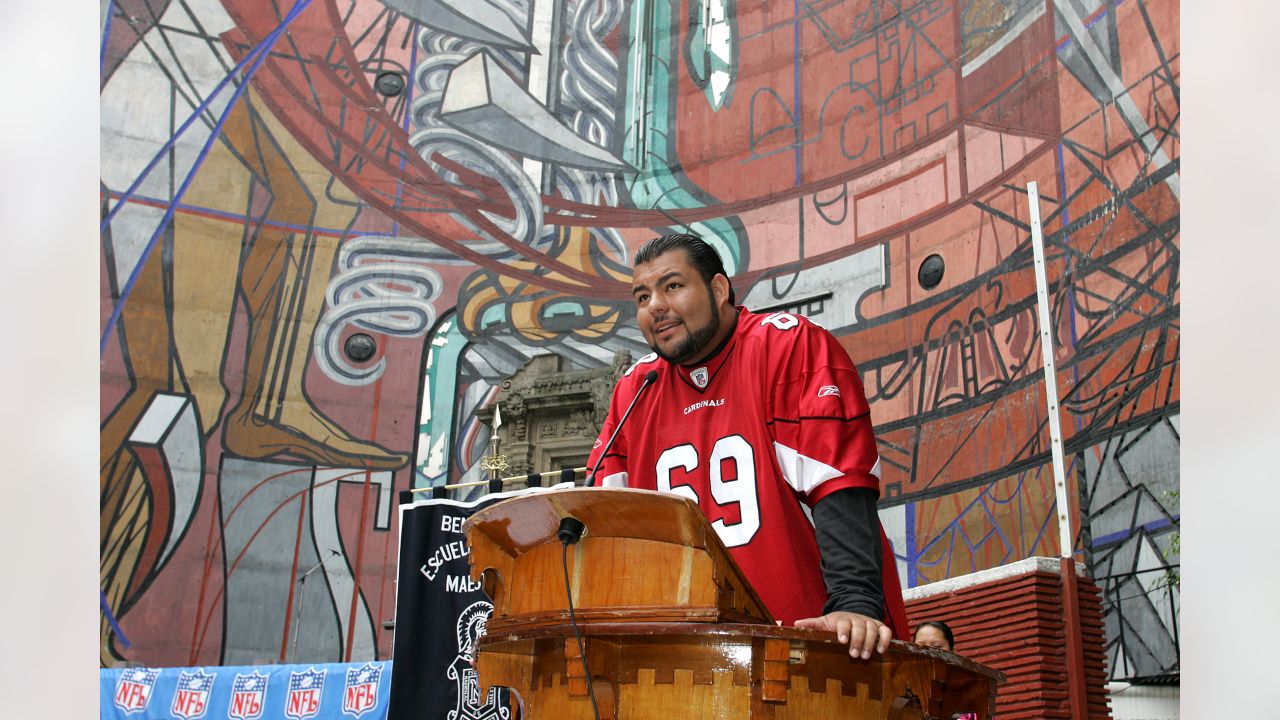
[699,377]
[360,694]
[471,704]
[191,699]
[133,689]
[305,691]
[248,692]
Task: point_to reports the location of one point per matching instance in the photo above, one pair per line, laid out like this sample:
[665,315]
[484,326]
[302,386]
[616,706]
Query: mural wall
[331,228]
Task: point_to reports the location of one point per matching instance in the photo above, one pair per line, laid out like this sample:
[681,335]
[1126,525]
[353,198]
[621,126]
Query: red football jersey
[776,420]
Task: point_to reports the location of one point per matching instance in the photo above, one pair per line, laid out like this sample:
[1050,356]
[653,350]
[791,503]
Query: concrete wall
[486,214]
[1144,702]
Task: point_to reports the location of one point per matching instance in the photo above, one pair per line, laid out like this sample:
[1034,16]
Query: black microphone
[571,530]
[649,378]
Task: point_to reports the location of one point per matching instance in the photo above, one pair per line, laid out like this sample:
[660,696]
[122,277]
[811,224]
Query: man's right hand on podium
[859,632]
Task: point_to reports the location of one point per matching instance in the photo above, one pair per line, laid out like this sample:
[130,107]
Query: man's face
[675,308]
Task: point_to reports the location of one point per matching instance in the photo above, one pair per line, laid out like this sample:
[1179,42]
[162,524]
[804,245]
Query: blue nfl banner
[325,691]
[440,615]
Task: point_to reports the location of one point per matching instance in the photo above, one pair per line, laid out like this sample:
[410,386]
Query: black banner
[440,613]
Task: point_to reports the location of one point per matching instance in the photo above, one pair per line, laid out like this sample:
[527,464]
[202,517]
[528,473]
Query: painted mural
[331,228]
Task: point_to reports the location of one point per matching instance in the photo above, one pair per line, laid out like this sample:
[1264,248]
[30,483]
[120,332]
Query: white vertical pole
[1065,536]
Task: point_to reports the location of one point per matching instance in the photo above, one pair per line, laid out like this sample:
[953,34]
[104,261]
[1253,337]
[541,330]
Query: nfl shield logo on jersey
[305,690]
[361,692]
[699,377]
[247,693]
[191,699]
[133,689]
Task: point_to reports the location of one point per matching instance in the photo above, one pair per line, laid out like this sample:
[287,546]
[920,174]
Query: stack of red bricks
[1011,619]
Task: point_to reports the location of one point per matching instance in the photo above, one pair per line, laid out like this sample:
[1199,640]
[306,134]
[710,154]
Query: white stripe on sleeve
[803,473]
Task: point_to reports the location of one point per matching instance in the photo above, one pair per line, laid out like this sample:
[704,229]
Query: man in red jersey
[762,421]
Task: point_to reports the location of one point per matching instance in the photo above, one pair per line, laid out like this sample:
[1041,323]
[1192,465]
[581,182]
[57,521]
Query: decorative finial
[495,463]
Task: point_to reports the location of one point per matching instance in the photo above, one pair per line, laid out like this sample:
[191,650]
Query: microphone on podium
[649,378]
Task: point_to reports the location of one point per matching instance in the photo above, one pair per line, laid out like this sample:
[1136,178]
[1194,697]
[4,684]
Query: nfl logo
[247,694]
[191,699]
[361,692]
[133,690]
[305,689]
[699,377]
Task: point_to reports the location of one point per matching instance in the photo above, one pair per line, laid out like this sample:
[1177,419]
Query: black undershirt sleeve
[848,531]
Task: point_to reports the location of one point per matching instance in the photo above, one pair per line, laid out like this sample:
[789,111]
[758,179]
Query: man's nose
[658,303]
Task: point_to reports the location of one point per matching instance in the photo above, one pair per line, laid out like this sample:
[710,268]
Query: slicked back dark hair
[700,253]
[940,626]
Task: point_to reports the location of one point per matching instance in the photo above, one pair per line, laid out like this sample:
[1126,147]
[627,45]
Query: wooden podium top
[522,523]
[645,556]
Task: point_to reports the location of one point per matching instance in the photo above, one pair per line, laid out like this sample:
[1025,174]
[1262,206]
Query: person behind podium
[936,634]
[761,420]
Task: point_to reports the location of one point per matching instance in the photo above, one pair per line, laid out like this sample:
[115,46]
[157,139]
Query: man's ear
[720,288]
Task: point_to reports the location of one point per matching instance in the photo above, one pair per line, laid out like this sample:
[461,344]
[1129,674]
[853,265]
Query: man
[750,416]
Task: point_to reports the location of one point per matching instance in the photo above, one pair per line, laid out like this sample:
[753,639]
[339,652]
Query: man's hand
[859,632]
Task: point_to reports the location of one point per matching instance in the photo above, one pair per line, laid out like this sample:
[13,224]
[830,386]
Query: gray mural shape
[1132,514]
[827,294]
[484,102]
[477,20]
[169,447]
[261,528]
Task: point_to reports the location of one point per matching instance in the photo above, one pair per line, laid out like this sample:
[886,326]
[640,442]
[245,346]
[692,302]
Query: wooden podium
[670,626]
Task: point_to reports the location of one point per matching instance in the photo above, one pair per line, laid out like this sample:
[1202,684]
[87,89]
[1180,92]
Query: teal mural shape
[435,425]
[649,127]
